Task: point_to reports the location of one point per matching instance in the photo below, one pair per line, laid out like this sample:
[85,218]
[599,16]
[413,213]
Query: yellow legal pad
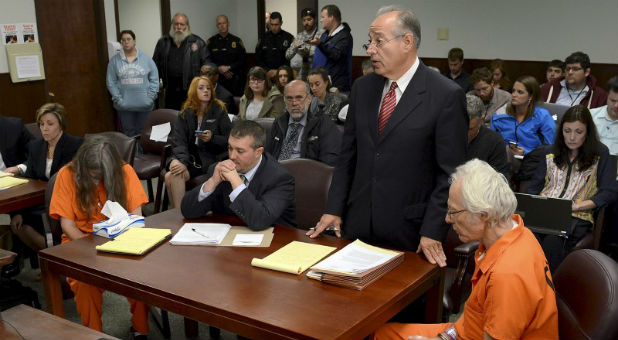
[294,258]
[135,241]
[10,181]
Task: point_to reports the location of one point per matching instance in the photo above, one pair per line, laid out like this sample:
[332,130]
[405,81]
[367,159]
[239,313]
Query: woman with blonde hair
[200,134]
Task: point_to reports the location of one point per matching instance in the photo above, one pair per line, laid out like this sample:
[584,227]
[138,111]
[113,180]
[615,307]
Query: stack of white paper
[201,234]
[356,257]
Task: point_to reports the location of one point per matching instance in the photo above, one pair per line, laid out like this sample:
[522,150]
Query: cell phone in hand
[199,131]
[513,144]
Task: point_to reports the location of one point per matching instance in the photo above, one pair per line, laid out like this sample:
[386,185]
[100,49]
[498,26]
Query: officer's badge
[233,44]
[194,47]
[286,43]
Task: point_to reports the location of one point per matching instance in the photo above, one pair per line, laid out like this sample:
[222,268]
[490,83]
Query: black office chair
[127,146]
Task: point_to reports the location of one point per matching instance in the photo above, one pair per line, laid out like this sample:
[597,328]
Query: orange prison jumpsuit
[512,295]
[64,204]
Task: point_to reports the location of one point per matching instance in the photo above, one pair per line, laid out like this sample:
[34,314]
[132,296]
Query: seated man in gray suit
[251,184]
[301,133]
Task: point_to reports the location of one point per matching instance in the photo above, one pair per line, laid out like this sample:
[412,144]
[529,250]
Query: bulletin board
[25,62]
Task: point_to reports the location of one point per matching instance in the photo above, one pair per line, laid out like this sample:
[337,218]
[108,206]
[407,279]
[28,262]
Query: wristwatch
[449,334]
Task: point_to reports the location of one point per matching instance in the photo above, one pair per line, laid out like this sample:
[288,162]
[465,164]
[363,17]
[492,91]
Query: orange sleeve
[63,198]
[136,196]
[510,305]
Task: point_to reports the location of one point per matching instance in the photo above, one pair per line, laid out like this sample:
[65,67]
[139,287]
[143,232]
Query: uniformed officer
[270,51]
[227,51]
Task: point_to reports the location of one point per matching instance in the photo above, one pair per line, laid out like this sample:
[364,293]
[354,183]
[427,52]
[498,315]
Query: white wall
[110,20]
[14,12]
[288,12]
[517,30]
[144,19]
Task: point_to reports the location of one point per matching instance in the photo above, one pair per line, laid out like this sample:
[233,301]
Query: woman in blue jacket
[525,126]
[133,82]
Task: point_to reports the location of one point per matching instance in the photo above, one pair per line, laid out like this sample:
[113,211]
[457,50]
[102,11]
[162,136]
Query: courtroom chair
[457,274]
[127,146]
[555,110]
[592,239]
[152,160]
[311,183]
[266,123]
[34,130]
[586,286]
[53,231]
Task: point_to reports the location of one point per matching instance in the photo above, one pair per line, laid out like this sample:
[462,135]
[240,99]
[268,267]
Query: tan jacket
[273,105]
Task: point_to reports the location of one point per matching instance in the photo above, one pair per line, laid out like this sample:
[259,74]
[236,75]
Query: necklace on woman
[50,152]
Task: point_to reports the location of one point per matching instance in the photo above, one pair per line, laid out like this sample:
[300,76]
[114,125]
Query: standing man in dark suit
[405,133]
[250,185]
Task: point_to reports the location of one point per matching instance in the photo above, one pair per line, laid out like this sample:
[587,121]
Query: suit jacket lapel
[374,106]
[409,101]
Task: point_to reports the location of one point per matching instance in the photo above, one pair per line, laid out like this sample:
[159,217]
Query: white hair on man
[406,22]
[484,190]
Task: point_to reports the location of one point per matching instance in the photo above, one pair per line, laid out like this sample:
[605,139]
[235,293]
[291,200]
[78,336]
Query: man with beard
[228,53]
[300,49]
[178,57]
[250,184]
[299,133]
[495,100]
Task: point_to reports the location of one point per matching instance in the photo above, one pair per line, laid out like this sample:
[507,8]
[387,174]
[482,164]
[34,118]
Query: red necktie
[388,106]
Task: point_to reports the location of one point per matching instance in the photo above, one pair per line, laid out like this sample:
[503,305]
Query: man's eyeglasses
[451,213]
[379,43]
[574,69]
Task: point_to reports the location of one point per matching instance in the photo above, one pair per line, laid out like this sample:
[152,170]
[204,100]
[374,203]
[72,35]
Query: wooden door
[74,43]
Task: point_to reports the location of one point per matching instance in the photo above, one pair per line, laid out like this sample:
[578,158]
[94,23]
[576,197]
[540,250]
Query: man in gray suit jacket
[405,133]
[250,184]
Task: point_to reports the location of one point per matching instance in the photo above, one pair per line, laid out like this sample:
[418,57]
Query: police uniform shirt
[228,50]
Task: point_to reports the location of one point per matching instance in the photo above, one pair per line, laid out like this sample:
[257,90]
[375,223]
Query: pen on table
[203,235]
[329,228]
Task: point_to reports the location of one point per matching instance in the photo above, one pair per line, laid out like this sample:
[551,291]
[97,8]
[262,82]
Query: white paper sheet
[27,66]
[159,133]
[354,258]
[201,234]
[248,239]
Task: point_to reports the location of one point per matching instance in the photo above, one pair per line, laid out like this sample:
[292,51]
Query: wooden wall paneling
[74,43]
[21,99]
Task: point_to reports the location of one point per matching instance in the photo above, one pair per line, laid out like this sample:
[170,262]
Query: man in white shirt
[606,117]
[406,131]
[250,184]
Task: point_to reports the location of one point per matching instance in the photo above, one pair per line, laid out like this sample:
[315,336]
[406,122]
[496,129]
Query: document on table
[135,241]
[201,234]
[159,133]
[294,258]
[10,181]
[248,239]
[357,257]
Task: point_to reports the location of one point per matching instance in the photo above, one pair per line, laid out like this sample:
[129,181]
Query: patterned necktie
[244,180]
[386,109]
[290,142]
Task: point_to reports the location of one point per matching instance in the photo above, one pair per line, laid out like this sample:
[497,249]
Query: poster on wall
[28,33]
[24,33]
[10,34]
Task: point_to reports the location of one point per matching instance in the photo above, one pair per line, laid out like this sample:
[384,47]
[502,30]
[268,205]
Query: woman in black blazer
[45,157]
[200,135]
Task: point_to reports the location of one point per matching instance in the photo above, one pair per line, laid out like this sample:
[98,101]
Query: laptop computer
[545,215]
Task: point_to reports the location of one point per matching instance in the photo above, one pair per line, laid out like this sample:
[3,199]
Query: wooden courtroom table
[6,257]
[24,322]
[218,286]
[22,196]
